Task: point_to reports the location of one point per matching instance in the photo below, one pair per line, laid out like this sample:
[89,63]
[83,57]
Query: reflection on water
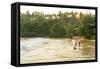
[35,50]
[88,48]
[28,44]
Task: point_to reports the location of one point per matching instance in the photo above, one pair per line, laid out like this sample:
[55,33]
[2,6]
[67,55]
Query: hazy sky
[52,10]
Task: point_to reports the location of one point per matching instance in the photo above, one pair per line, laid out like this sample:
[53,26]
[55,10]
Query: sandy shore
[53,50]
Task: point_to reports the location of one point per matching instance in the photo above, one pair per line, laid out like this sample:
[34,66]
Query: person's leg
[78,42]
[75,44]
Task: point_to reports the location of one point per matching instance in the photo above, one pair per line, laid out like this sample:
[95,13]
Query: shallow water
[34,50]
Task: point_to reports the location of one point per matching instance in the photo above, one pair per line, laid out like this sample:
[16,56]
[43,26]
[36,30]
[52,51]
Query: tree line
[61,24]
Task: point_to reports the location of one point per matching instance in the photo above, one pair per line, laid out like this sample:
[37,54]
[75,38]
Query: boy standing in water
[75,40]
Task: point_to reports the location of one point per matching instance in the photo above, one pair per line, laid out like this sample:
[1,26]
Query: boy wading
[75,39]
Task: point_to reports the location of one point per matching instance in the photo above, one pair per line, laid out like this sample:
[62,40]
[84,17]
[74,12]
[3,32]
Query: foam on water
[29,44]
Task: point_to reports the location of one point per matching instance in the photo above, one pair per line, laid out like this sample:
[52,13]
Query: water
[28,44]
[34,50]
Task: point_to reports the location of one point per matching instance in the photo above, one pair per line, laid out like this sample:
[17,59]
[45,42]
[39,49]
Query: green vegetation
[61,24]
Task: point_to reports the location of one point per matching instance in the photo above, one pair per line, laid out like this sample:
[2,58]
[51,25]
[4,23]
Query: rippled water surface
[34,50]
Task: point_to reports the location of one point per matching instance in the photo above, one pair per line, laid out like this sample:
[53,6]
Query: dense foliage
[61,24]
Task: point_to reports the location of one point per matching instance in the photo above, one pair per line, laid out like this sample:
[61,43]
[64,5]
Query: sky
[53,10]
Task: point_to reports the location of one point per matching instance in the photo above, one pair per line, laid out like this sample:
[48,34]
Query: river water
[34,50]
